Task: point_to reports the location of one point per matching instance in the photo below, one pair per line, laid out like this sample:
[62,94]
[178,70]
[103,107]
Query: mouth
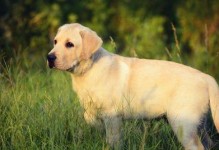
[51,64]
[73,67]
[51,58]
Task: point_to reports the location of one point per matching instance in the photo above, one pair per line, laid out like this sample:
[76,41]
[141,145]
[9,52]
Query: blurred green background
[142,28]
[38,109]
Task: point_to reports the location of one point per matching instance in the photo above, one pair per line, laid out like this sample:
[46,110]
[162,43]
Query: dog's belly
[144,107]
[128,106]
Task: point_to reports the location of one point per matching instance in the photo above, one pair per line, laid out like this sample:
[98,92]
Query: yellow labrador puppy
[111,87]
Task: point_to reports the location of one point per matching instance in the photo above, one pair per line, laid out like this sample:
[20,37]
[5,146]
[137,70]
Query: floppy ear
[91,42]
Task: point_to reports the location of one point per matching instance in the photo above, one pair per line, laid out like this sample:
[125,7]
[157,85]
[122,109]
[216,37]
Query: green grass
[39,111]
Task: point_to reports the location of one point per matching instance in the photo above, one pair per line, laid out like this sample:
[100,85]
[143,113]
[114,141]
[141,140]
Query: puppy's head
[73,43]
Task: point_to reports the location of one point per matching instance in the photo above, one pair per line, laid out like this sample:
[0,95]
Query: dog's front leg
[113,127]
[91,119]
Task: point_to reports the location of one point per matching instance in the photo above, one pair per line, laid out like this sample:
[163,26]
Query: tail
[214,100]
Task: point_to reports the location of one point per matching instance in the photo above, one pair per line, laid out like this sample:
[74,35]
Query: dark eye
[55,41]
[69,45]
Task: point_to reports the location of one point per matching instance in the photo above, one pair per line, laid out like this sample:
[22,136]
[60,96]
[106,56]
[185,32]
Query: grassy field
[39,111]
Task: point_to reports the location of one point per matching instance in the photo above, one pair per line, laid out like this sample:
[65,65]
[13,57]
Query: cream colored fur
[111,87]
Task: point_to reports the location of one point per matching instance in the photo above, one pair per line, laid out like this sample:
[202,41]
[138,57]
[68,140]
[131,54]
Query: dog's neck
[81,67]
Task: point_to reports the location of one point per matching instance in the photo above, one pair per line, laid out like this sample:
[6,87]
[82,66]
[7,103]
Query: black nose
[51,57]
[51,60]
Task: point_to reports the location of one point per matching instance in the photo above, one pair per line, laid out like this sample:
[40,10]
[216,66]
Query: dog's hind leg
[186,132]
[202,131]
